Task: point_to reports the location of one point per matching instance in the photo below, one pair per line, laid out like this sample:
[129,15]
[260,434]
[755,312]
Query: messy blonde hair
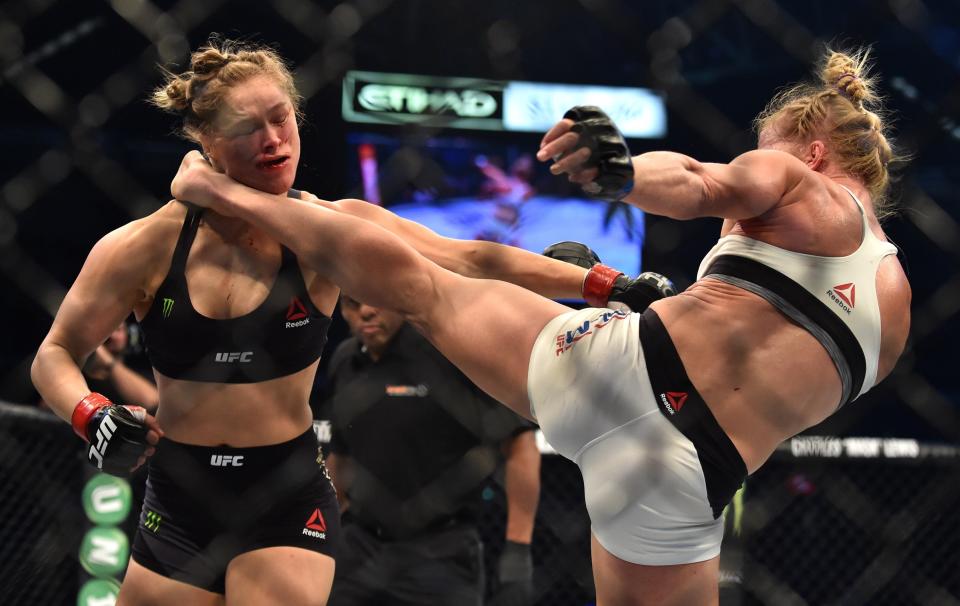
[197,94]
[845,109]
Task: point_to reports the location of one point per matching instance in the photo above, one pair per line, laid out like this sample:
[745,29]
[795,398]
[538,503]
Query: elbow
[35,371]
[704,193]
[38,364]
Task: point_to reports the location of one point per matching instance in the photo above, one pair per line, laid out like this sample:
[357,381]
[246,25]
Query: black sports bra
[285,334]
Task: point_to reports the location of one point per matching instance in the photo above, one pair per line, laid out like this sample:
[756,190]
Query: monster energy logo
[152,521]
[167,307]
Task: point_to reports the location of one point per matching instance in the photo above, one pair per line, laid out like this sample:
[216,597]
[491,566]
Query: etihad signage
[405,99]
[471,103]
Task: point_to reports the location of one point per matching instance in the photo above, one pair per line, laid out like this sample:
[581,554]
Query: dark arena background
[863,509]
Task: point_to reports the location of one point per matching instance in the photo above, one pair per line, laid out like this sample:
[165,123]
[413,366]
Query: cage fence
[824,522]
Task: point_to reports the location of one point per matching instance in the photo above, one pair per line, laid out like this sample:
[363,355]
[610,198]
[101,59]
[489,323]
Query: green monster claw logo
[167,307]
[153,521]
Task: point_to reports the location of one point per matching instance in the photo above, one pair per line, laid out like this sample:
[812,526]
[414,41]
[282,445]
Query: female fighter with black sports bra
[238,504]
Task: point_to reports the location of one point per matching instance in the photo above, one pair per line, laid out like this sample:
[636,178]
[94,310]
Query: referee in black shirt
[412,441]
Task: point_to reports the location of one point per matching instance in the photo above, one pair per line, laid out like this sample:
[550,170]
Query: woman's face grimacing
[254,138]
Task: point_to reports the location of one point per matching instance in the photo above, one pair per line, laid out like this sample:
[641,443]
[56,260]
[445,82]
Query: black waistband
[296,459]
[723,467]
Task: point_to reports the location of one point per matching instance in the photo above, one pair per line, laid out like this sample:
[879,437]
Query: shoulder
[795,182]
[147,236]
[771,159]
[776,165]
[142,244]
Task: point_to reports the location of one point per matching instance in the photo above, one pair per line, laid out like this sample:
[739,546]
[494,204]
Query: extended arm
[672,184]
[677,186]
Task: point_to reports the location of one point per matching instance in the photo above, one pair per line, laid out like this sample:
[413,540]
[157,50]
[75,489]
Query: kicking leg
[620,582]
[485,327]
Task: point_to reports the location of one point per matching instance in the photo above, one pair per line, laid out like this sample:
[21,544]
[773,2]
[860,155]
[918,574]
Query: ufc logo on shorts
[226,460]
[234,356]
[104,433]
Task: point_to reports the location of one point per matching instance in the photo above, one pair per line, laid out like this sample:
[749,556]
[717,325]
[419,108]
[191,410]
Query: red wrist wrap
[598,283]
[86,409]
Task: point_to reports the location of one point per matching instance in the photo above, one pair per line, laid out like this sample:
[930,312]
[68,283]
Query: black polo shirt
[421,436]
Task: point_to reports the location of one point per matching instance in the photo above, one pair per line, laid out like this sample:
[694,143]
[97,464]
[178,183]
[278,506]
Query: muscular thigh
[143,587]
[279,575]
[487,328]
[622,583]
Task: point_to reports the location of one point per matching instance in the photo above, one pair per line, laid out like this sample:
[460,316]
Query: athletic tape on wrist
[598,283]
[86,409]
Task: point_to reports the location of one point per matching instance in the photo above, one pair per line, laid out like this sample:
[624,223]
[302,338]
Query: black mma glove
[514,576]
[117,434]
[604,285]
[607,287]
[572,252]
[608,152]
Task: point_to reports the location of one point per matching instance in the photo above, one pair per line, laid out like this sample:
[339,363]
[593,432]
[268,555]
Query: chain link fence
[83,154]
[826,521]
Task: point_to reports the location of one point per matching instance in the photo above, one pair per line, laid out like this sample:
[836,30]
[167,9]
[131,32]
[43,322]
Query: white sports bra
[834,298]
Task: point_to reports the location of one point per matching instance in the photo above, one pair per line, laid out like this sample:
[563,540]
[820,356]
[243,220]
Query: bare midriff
[238,415]
[763,377]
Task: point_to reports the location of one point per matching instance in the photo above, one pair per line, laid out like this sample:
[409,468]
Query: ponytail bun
[848,75]
[174,96]
[207,62]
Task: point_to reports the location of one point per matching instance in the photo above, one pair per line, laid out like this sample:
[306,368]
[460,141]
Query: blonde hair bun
[848,74]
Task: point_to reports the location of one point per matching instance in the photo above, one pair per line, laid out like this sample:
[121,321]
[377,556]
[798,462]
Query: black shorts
[206,505]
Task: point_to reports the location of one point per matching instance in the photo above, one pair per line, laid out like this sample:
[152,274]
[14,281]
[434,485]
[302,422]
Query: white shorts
[644,486]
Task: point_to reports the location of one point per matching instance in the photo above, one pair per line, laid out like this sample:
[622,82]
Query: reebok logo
[315,526]
[226,460]
[673,401]
[228,357]
[296,314]
[847,292]
[844,295]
